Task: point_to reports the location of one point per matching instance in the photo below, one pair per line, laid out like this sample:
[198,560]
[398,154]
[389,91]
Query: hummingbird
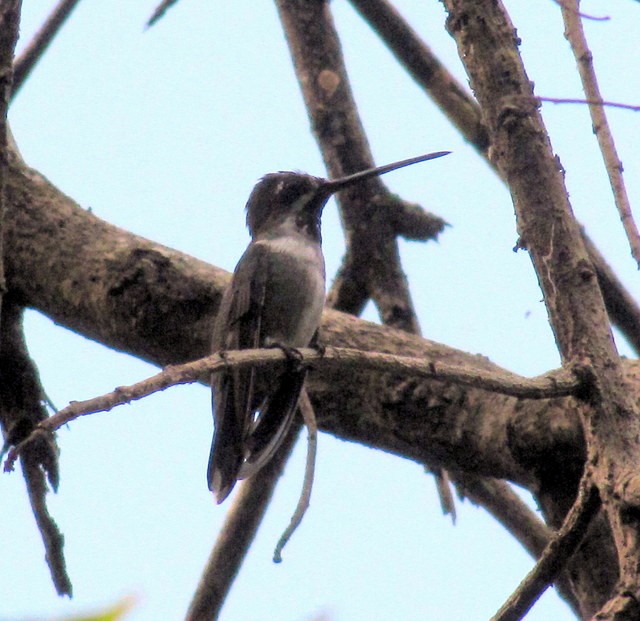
[275,299]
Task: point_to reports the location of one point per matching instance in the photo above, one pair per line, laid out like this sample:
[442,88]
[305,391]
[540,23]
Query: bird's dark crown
[276,197]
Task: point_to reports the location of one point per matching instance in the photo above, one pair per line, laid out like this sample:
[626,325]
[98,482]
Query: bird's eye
[289,194]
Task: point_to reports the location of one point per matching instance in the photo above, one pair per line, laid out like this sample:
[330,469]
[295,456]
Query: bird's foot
[295,359]
[317,344]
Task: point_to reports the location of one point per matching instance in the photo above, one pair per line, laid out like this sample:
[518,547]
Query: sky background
[164,133]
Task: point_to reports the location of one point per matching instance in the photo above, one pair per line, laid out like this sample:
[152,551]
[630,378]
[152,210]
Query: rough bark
[9,25]
[488,46]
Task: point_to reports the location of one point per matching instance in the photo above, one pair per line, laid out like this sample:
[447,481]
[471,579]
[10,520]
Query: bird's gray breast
[295,290]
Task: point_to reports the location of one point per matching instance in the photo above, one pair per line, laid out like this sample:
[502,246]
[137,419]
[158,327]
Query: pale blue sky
[164,133]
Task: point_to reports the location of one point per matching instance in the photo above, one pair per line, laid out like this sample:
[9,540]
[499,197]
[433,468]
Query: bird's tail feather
[271,427]
[226,456]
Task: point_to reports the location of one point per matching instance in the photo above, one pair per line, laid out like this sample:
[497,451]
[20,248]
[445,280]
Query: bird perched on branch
[275,299]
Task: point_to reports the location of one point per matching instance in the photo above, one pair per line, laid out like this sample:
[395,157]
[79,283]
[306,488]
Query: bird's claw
[295,359]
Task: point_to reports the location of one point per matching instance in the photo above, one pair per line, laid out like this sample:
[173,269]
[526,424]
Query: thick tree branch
[9,26]
[158,304]
[98,280]
[520,145]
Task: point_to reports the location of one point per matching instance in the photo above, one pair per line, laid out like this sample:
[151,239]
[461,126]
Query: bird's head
[282,196]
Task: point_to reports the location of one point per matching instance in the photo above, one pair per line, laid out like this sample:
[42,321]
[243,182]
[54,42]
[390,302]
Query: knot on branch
[514,108]
[588,390]
[328,81]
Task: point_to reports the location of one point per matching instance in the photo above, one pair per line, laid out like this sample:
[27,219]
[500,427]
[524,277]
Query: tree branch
[237,534]
[371,216]
[555,556]
[340,359]
[426,69]
[52,538]
[9,27]
[21,410]
[159,12]
[158,304]
[584,59]
[622,307]
[30,56]
[20,390]
[590,102]
[465,114]
[309,417]
[506,507]
[595,18]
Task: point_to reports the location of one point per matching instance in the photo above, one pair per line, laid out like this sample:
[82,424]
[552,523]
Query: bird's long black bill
[335,185]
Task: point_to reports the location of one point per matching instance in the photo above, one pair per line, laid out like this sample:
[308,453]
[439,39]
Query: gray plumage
[275,298]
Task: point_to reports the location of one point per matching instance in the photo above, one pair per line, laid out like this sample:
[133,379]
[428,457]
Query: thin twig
[309,418]
[590,102]
[555,556]
[52,538]
[595,18]
[38,46]
[584,59]
[237,534]
[556,384]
